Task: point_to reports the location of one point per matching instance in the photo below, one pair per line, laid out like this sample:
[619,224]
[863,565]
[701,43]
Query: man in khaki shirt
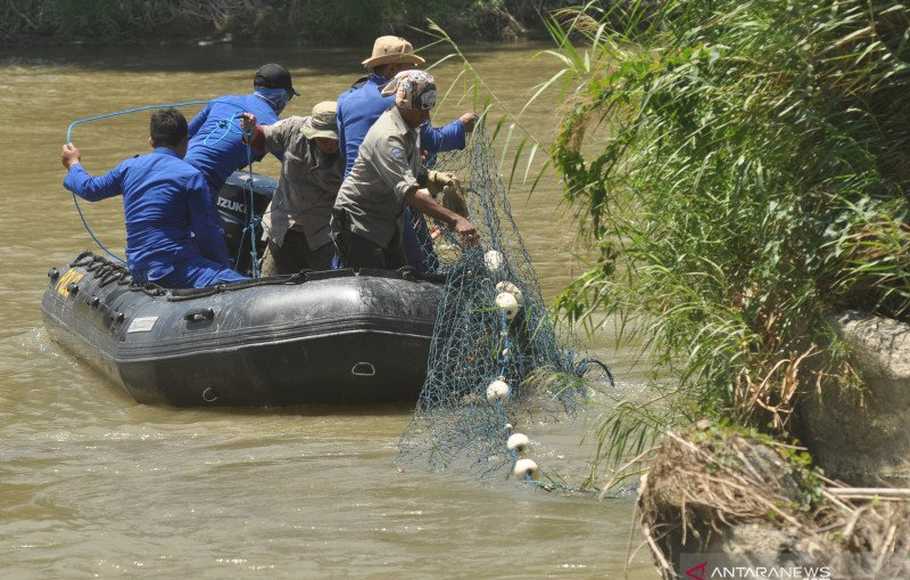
[367,220]
[297,221]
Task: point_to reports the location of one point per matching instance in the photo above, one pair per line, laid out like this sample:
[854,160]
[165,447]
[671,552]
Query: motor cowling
[234,210]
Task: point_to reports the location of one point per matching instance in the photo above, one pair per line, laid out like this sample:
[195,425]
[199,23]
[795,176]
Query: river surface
[94,485]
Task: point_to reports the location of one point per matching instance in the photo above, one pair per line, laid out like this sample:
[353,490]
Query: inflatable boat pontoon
[333,337]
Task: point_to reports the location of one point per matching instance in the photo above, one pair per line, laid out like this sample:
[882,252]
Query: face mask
[427,99]
[277,98]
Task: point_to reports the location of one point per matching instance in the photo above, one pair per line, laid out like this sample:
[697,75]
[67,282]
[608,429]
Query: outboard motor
[233,206]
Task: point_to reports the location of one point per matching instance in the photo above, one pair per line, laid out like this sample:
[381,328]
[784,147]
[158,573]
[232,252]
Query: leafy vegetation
[741,166]
[297,21]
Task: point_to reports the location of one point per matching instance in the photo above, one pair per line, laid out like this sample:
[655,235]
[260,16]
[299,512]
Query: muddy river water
[94,485]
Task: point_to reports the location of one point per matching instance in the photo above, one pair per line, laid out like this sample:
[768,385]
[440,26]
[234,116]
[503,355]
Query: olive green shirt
[307,186]
[384,173]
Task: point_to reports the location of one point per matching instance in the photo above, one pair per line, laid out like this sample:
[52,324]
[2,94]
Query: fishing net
[495,353]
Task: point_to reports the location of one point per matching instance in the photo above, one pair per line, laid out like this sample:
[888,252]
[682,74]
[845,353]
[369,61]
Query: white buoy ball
[506,302]
[493,260]
[518,442]
[497,390]
[506,286]
[526,468]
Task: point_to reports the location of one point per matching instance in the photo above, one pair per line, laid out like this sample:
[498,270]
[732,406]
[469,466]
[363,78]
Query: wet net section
[495,353]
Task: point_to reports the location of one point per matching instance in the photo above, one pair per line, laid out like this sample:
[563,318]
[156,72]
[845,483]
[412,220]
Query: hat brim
[408,58]
[311,132]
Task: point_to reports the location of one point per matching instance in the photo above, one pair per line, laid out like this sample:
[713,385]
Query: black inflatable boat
[337,337]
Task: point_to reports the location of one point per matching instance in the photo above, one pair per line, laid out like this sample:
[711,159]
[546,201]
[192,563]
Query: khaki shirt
[386,169]
[307,186]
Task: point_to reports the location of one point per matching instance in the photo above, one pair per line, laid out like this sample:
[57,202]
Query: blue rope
[254,220]
[227,127]
[92,119]
[130,111]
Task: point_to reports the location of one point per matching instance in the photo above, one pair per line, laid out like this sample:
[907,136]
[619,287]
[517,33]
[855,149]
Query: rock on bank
[863,436]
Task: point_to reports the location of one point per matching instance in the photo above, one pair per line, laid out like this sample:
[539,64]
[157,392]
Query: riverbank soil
[861,436]
[715,498]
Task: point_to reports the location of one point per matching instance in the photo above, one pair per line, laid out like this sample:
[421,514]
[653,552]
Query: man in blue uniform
[173,238]
[360,107]
[216,145]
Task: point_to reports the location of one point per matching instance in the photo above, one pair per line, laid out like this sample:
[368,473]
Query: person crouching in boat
[173,236]
[367,219]
[296,222]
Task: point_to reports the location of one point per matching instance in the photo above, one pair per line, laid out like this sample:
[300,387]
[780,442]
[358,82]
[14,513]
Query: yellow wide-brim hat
[391,50]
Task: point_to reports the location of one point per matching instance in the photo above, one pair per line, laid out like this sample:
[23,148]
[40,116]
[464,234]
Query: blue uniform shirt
[360,106]
[165,202]
[216,145]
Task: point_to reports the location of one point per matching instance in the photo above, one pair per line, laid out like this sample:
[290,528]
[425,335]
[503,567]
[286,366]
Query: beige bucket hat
[392,49]
[321,123]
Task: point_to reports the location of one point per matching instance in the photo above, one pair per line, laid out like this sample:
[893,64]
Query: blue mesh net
[465,415]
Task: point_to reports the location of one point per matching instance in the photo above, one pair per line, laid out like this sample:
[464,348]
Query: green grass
[753,181]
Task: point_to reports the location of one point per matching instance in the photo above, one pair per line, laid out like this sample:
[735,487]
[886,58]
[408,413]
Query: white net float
[526,469]
[493,260]
[507,303]
[518,442]
[497,390]
[506,286]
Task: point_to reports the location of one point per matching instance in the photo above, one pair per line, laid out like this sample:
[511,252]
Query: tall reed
[742,168]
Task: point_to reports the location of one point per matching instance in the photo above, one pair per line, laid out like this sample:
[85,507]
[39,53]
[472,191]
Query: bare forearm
[422,201]
[257,143]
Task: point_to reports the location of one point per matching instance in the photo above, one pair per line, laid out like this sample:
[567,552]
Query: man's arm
[84,185]
[198,121]
[448,137]
[205,223]
[339,128]
[392,165]
[422,200]
[277,137]
[254,136]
